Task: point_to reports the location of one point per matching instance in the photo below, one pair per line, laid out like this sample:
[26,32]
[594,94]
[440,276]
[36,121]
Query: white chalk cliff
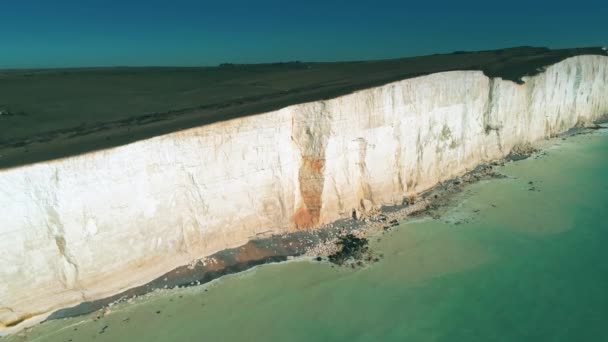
[89,226]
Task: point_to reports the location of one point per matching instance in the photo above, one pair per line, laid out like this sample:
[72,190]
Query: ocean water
[509,261]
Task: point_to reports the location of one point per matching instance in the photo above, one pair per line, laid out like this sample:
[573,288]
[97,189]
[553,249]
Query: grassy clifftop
[47,114]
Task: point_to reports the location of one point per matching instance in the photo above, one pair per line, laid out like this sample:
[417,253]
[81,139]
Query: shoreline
[315,243]
[280,248]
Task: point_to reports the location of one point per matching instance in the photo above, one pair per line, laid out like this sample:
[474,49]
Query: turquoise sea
[523,258]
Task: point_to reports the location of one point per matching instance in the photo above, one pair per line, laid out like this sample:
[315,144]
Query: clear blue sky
[66,33]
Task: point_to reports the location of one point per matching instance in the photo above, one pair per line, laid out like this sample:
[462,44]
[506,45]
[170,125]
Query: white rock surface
[89,226]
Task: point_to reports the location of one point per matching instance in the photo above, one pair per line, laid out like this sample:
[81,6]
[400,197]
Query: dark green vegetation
[47,114]
[352,248]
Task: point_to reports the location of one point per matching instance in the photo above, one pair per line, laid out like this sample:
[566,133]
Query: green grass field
[47,114]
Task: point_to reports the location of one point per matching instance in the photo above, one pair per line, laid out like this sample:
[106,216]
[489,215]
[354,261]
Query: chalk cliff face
[89,226]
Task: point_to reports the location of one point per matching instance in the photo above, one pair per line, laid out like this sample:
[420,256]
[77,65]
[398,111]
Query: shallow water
[503,264]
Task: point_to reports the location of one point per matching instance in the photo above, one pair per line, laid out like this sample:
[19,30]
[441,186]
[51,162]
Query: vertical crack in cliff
[365,190]
[338,194]
[491,107]
[197,194]
[70,271]
[279,191]
[487,111]
[191,223]
[577,84]
[399,169]
[310,132]
[68,266]
[416,171]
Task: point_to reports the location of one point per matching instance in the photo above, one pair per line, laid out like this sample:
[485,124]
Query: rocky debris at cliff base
[593,127]
[387,218]
[352,251]
[330,245]
[585,128]
[521,151]
[442,194]
[589,126]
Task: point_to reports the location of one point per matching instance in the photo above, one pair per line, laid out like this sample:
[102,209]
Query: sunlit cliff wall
[89,226]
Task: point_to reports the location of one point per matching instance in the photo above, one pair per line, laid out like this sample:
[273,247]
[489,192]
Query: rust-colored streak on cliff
[311,182]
